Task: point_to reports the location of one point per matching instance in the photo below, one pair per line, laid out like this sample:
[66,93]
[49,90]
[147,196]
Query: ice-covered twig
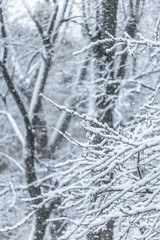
[14,194]
[128,41]
[81,116]
[33,17]
[18,224]
[35,95]
[157,30]
[12,160]
[61,219]
[72,140]
[14,125]
[91,45]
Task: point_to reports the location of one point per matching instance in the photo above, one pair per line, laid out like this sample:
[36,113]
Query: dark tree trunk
[43,213]
[106,234]
[111,89]
[41,138]
[104,75]
[39,121]
[41,224]
[106,23]
[36,138]
[29,162]
[131,29]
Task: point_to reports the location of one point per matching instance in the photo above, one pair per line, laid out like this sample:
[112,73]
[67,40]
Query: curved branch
[15,95]
[4,35]
[39,27]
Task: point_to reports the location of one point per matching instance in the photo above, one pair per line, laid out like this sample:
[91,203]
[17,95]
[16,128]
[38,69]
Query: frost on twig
[12,160]
[115,179]
[157,30]
[120,41]
[15,126]
[81,116]
[18,224]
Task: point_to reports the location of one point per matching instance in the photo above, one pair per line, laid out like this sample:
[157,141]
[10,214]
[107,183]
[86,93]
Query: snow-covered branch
[117,179]
[15,126]
[120,41]
[19,224]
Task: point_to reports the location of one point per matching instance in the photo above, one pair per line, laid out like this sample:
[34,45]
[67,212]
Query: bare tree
[100,21]
[132,16]
[113,184]
[103,25]
[131,198]
[35,134]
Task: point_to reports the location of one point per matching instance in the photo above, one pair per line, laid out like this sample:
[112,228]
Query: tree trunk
[41,224]
[131,29]
[106,234]
[104,75]
[38,121]
[43,213]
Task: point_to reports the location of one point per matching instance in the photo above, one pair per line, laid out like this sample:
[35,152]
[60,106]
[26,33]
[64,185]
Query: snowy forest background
[79,119]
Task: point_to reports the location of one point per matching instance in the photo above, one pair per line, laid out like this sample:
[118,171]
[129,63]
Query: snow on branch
[115,179]
[36,90]
[127,40]
[81,116]
[14,125]
[12,160]
[157,30]
[18,224]
[92,44]
[33,17]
